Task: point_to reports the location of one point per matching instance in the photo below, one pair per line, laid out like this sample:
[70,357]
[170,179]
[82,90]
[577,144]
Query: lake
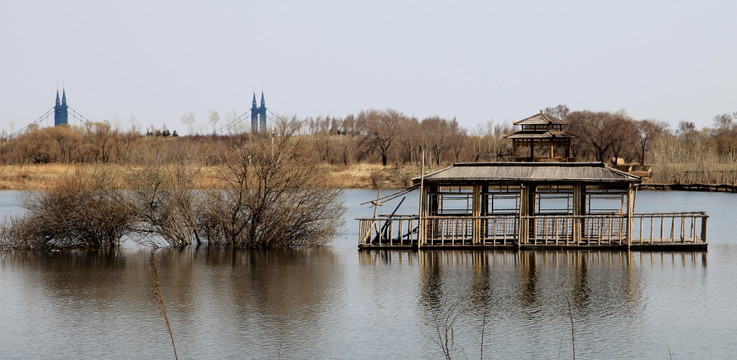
[338,303]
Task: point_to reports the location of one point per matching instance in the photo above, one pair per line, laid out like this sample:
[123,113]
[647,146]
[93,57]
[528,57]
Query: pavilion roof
[539,134]
[532,172]
[541,119]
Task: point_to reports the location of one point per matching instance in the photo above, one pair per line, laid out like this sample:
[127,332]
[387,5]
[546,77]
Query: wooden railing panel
[543,230]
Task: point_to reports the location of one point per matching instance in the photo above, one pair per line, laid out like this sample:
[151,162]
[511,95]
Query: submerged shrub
[275,197]
[80,211]
[163,202]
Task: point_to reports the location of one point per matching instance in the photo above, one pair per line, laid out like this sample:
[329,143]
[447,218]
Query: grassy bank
[357,176]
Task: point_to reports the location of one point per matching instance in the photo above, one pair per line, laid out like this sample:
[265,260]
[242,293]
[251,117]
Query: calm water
[337,303]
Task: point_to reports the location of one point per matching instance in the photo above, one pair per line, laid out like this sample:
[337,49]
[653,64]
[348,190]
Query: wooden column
[579,208]
[522,211]
[484,200]
[476,214]
[703,229]
[422,222]
[532,229]
[532,150]
[630,211]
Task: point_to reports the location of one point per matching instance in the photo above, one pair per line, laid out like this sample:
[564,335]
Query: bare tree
[67,141]
[409,141]
[188,120]
[101,135]
[591,134]
[561,111]
[214,118]
[601,134]
[623,136]
[435,130]
[724,135]
[647,131]
[457,138]
[380,130]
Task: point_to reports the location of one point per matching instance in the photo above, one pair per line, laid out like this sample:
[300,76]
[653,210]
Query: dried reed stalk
[156,289]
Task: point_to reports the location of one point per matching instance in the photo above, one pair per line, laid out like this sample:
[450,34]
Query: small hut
[541,138]
[531,205]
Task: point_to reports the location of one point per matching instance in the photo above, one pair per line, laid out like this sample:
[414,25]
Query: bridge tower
[61,114]
[262,114]
[258,115]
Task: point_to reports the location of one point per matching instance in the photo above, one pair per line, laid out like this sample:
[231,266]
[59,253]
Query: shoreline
[354,176]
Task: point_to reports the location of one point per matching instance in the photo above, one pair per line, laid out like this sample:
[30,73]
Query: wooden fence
[605,230]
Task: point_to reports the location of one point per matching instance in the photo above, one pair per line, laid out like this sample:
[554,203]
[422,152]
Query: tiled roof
[541,119]
[520,172]
[539,134]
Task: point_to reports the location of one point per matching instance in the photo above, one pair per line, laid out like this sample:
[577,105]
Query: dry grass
[31,177]
[44,177]
[357,176]
[367,176]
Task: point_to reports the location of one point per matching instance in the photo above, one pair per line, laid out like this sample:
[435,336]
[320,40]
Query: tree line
[390,137]
[273,198]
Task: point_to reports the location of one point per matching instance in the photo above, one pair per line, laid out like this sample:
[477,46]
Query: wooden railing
[669,228]
[389,231]
[578,230]
[647,229]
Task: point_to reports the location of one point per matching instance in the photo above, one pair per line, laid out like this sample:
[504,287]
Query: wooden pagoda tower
[541,138]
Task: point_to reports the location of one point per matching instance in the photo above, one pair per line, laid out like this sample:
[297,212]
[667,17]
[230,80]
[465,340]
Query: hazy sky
[153,61]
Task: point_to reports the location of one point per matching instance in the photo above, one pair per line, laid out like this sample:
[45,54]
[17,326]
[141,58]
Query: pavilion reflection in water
[611,281]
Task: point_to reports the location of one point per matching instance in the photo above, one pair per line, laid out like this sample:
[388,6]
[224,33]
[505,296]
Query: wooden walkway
[689,187]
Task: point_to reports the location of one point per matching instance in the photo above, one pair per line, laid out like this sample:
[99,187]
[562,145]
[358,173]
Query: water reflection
[315,303]
[374,257]
[217,296]
[74,274]
[278,293]
[684,258]
[538,293]
[608,280]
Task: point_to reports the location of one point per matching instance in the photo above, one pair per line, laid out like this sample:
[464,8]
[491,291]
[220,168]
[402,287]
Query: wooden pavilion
[531,205]
[541,131]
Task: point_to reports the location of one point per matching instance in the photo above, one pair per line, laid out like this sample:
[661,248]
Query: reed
[156,289]
[573,332]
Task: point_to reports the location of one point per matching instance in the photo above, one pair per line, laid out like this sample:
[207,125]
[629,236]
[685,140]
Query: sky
[147,63]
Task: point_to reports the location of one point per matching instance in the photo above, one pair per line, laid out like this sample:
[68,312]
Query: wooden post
[484,213]
[630,210]
[476,237]
[579,206]
[532,205]
[532,150]
[522,211]
[423,193]
[703,228]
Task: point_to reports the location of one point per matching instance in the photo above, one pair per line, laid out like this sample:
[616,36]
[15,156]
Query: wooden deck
[683,230]
[690,187]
